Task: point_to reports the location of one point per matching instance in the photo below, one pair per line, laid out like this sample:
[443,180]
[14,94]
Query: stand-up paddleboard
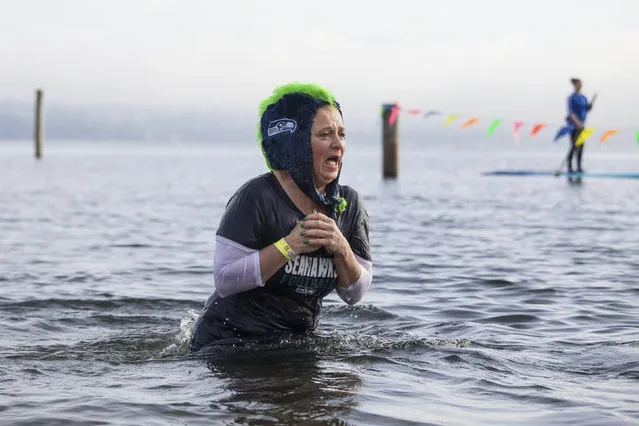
[613,175]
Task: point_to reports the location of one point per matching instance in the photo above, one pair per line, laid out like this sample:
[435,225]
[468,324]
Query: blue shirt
[577,104]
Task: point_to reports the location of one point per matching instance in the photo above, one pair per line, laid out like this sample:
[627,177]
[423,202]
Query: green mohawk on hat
[311,89]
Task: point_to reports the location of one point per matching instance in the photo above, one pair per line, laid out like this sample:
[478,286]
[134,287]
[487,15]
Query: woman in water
[291,236]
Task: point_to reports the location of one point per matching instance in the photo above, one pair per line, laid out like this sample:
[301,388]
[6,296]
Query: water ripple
[494,300]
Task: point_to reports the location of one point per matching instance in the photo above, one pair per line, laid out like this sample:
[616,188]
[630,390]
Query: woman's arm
[271,260]
[353,293]
[348,269]
[238,268]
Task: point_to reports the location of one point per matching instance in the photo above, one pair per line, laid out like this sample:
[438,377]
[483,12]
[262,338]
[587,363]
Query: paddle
[561,166]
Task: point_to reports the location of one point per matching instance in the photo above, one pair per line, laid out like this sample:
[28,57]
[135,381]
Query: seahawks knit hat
[284,132]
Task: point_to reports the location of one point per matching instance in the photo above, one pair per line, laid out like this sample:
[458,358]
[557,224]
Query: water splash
[181,339]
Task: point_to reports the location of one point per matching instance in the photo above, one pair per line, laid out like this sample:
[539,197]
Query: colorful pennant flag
[584,135]
[607,134]
[470,122]
[516,126]
[537,128]
[450,119]
[563,132]
[493,126]
[393,115]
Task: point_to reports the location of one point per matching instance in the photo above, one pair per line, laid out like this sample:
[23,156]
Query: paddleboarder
[578,108]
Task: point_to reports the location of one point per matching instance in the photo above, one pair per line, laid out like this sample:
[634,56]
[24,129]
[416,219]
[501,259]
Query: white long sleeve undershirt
[236,268]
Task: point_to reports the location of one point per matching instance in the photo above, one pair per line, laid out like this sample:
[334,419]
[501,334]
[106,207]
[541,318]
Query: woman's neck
[297,196]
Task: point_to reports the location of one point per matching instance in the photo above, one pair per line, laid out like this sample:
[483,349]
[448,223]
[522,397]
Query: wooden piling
[38,124]
[389,140]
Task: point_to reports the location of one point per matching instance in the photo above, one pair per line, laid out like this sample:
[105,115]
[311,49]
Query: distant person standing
[578,108]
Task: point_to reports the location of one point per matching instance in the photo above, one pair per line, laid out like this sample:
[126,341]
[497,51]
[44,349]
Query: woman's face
[328,145]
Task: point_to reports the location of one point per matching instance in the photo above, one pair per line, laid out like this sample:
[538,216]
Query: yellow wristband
[285,249]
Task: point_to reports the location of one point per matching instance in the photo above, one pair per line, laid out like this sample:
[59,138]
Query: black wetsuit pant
[579,150]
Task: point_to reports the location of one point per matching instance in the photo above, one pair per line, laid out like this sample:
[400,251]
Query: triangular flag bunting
[562,132]
[536,129]
[516,126]
[429,113]
[393,115]
[607,134]
[492,127]
[470,122]
[450,119]
[584,135]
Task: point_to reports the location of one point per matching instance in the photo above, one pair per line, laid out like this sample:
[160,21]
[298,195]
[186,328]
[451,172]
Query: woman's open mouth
[332,162]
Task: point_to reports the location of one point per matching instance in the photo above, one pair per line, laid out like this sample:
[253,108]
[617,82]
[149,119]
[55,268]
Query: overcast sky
[508,59]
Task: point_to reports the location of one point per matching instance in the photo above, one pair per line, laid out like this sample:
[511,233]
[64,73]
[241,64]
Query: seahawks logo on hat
[282,125]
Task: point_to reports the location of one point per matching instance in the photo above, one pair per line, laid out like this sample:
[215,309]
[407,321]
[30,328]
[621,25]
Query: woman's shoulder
[350,194]
[354,204]
[255,187]
[256,183]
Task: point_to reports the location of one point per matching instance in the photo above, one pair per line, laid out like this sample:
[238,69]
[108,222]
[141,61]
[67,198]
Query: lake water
[495,300]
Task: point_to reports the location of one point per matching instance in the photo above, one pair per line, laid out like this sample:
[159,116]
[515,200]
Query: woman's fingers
[319,237]
[318,220]
[318,230]
[315,233]
[318,216]
[314,223]
[297,241]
